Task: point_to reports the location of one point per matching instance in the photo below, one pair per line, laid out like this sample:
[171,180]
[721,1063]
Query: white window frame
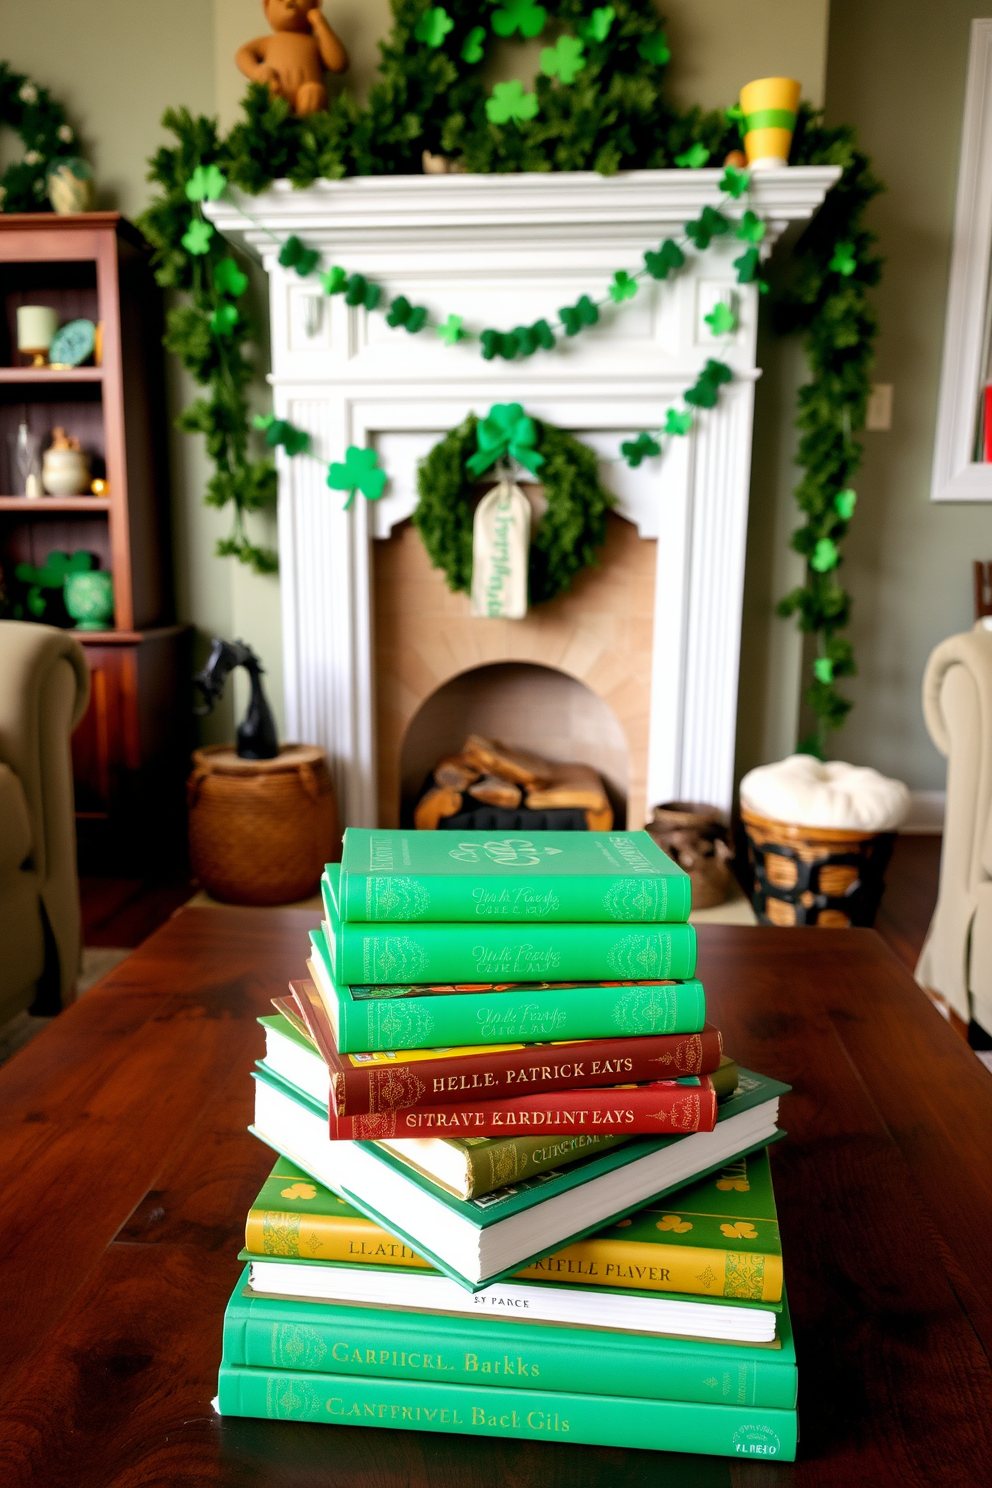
[956,475]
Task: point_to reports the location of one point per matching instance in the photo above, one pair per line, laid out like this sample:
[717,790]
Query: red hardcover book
[661,1108]
[366,1084]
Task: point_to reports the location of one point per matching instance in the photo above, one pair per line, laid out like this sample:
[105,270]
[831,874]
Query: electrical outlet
[878,414]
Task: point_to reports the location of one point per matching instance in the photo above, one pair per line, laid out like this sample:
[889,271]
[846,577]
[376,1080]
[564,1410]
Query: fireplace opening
[531,707]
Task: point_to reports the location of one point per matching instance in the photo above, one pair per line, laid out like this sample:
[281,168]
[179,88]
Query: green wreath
[568,536]
[46,136]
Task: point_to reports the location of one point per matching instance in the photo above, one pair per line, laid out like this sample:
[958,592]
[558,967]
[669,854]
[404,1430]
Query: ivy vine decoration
[569,534]
[823,293]
[46,134]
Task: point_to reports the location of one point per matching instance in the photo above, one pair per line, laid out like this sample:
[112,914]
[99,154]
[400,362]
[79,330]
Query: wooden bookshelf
[130,752]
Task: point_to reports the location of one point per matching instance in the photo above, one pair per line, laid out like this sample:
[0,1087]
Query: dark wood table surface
[126,1172]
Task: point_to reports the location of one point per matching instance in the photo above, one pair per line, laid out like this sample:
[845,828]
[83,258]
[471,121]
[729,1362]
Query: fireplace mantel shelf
[504,250]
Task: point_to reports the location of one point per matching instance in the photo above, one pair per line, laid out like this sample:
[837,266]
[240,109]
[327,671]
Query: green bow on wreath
[506,430]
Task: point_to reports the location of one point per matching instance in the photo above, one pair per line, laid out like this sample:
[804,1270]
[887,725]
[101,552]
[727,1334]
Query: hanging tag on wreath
[500,553]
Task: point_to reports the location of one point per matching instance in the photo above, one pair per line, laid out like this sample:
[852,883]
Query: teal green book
[414,1015]
[452,952]
[493,878]
[742,1431]
[270,1333]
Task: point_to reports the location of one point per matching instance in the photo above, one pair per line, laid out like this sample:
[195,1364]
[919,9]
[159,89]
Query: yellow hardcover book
[715,1238]
[285,1221]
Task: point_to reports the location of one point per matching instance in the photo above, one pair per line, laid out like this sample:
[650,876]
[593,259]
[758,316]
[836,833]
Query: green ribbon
[506,430]
[770,118]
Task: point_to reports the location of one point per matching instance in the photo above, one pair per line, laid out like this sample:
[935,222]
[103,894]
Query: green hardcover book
[478,1241]
[265,1333]
[387,954]
[750,1432]
[500,878]
[366,1019]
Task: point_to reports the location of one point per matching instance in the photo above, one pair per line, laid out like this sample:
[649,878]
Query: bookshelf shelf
[130,752]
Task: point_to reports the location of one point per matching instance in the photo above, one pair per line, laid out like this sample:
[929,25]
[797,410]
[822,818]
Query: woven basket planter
[260,831]
[815,875]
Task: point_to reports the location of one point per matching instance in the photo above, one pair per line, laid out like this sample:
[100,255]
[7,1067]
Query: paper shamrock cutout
[706,389]
[228,278]
[722,319]
[597,27]
[623,287]
[565,60]
[472,48]
[742,1230]
[582,313]
[654,48]
[845,502]
[207,181]
[519,15]
[451,331]
[334,280]
[433,26]
[708,225]
[358,291]
[734,182]
[358,473]
[196,238]
[693,158]
[298,1191]
[224,319]
[823,669]
[281,431]
[509,101]
[747,266]
[673,1222]
[843,261]
[677,422]
[825,556]
[660,264]
[53,575]
[641,448]
[402,313]
[750,229]
[293,255]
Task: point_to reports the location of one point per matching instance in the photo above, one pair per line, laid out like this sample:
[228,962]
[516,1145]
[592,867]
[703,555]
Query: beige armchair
[956,960]
[44,689]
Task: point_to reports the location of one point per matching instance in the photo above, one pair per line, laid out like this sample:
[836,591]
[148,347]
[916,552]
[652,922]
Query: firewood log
[438,802]
[496,792]
[569,785]
[455,772]
[490,757]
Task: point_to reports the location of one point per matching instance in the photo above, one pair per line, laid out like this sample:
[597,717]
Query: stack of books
[521,1188]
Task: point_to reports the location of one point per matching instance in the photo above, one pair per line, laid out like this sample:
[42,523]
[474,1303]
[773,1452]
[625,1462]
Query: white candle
[36,325]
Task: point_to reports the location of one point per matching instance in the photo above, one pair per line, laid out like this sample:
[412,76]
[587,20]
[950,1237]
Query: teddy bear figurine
[291,62]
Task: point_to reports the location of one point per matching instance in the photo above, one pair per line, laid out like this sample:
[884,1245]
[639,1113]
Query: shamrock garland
[612,115]
[45,132]
[569,534]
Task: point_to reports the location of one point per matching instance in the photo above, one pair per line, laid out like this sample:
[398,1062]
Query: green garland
[567,537]
[45,133]
[609,114]
[823,293]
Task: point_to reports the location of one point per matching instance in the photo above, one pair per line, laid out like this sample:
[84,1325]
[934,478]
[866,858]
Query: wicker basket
[260,831]
[815,875]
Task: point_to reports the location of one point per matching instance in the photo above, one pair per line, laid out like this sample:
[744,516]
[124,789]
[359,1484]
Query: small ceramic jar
[89,599]
[65,472]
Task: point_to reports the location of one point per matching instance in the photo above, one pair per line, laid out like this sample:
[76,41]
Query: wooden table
[126,1172]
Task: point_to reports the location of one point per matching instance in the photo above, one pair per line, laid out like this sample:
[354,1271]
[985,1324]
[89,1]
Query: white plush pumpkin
[812,793]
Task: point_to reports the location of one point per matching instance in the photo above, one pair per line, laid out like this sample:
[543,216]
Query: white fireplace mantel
[502,251]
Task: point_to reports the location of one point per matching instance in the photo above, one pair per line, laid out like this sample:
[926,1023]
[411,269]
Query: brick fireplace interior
[571,681]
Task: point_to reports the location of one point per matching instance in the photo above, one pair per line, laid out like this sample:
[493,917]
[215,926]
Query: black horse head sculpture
[257,730]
